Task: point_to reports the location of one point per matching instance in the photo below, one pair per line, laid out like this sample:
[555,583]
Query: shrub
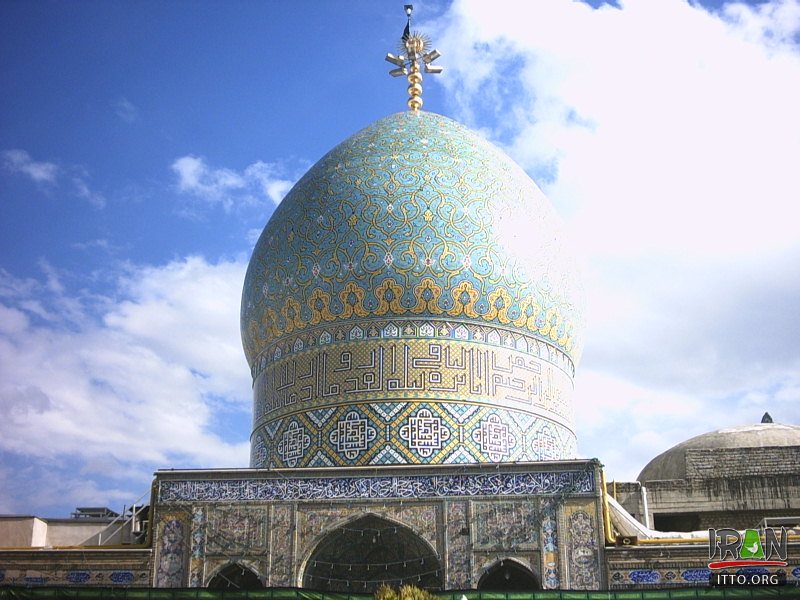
[406,592]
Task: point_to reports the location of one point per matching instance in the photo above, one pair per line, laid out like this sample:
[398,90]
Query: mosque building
[412,320]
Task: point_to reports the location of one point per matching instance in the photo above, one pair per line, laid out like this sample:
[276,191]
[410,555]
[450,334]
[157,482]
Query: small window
[679,522]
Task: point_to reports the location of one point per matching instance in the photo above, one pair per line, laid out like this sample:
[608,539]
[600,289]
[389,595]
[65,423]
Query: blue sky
[143,146]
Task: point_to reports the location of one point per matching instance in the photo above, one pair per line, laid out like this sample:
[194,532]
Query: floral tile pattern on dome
[380,227]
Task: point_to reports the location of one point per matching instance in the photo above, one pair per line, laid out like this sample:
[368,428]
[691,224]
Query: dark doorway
[509,576]
[235,577]
[361,555]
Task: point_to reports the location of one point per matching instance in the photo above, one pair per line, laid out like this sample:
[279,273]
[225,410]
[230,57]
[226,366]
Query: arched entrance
[235,577]
[509,576]
[363,554]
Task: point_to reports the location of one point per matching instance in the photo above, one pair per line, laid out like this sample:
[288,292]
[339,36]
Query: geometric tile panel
[421,432]
[545,443]
[293,443]
[427,400]
[353,435]
[494,438]
[424,433]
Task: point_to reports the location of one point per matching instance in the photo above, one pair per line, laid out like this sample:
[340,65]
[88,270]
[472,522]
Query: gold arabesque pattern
[427,295]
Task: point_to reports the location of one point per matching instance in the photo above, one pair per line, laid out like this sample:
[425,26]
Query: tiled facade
[471,517]
[667,566]
[76,567]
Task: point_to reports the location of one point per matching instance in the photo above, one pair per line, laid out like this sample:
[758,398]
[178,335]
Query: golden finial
[417,50]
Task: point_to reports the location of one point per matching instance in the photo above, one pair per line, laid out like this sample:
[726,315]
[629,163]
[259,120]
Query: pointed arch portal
[235,577]
[509,576]
[369,551]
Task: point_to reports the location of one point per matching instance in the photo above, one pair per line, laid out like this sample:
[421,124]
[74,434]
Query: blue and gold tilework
[410,301]
[421,392]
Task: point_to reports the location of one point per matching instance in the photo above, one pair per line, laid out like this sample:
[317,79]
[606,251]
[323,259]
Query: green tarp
[107,593]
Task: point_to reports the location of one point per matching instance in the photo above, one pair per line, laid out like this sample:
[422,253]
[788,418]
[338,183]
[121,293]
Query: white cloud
[37,487]
[195,177]
[141,385]
[652,134]
[228,187]
[97,244]
[626,423]
[126,110]
[82,190]
[12,321]
[667,136]
[19,161]
[770,23]
[47,173]
[183,309]
[268,177]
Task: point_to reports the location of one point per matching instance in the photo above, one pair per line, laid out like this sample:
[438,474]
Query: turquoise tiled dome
[413,283]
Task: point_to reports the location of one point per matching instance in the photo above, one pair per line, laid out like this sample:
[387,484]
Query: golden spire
[417,48]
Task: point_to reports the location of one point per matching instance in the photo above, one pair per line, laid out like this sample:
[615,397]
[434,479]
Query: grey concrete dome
[672,463]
